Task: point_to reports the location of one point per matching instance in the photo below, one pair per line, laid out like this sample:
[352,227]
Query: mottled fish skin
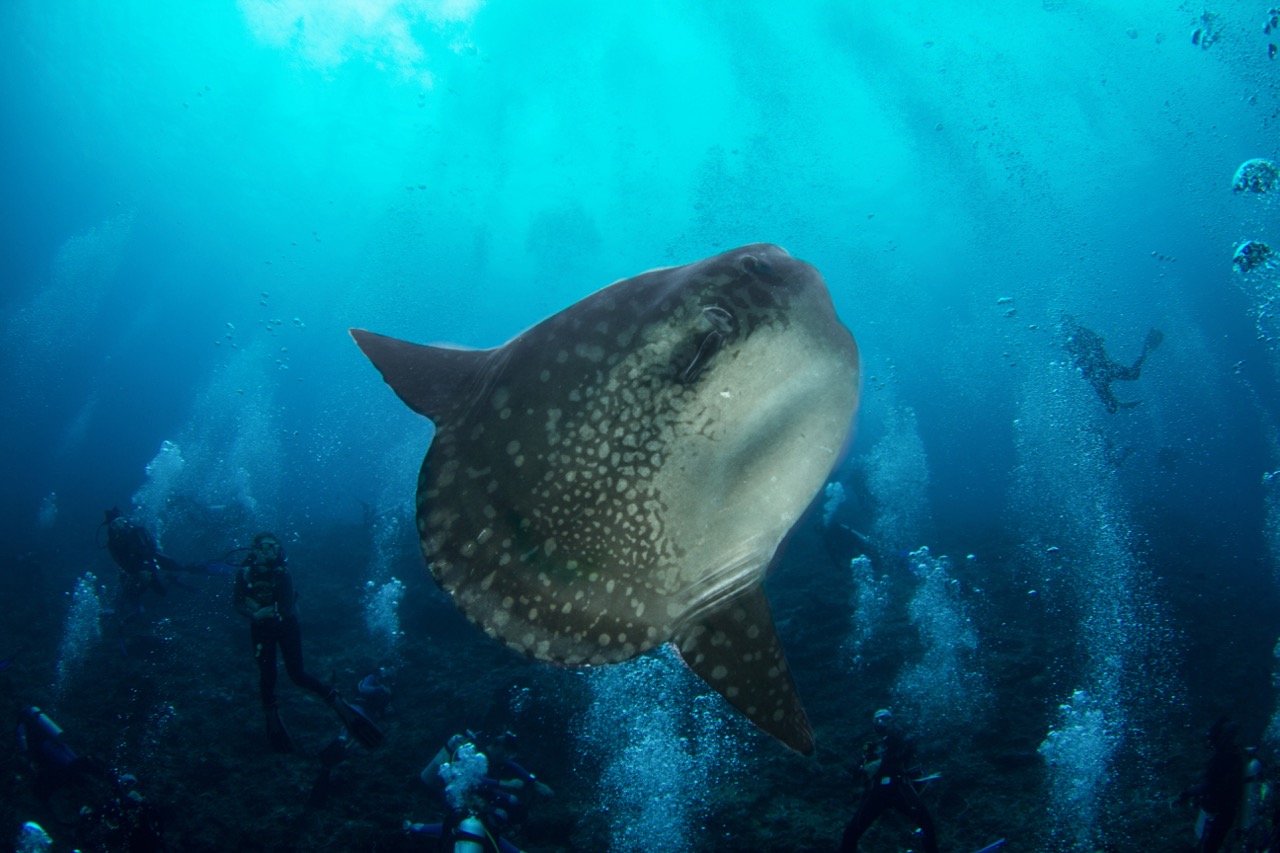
[622,474]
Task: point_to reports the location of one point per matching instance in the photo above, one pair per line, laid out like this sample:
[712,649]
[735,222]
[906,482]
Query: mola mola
[623,474]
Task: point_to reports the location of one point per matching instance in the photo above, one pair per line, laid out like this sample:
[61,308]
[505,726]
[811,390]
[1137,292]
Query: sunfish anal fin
[736,650]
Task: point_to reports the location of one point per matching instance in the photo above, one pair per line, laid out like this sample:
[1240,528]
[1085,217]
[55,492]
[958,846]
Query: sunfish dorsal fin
[736,650]
[433,381]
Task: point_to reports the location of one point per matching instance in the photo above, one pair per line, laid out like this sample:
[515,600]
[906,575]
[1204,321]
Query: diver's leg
[1128,374]
[908,802]
[869,809]
[262,635]
[291,651]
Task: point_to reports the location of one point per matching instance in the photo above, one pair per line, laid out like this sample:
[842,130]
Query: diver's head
[502,745]
[266,551]
[111,515]
[882,719]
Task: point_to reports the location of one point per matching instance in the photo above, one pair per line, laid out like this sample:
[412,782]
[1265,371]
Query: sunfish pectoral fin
[736,650]
[433,381]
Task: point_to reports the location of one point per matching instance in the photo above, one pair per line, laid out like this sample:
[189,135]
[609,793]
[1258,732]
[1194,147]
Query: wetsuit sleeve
[169,564]
[146,543]
[517,770]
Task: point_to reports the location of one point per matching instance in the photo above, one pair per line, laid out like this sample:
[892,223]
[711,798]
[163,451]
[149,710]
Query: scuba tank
[470,835]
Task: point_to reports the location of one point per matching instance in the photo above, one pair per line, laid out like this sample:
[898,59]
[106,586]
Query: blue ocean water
[201,198]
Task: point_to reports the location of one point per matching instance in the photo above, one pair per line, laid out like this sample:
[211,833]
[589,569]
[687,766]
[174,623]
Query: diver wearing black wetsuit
[134,550]
[1089,355]
[264,593]
[888,786]
[1220,791]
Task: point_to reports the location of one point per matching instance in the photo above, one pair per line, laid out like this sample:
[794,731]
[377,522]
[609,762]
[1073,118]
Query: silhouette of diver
[1087,352]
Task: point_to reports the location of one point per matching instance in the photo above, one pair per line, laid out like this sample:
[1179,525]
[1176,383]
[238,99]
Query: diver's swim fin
[277,734]
[363,729]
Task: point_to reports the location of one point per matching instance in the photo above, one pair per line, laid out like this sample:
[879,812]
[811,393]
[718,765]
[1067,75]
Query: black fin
[277,734]
[736,650]
[363,729]
[433,381]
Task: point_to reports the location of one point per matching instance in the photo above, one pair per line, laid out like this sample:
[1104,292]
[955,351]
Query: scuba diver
[486,792]
[108,811]
[887,765]
[263,592]
[52,761]
[1089,355]
[134,550]
[1219,793]
[373,696]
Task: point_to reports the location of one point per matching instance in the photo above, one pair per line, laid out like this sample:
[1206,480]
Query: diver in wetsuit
[887,765]
[264,593]
[105,811]
[1220,791]
[1089,355]
[134,550]
[481,807]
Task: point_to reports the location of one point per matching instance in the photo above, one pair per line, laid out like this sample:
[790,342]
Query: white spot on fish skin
[500,397]
[488,581]
[533,614]
[731,692]
[549,546]
[567,608]
[545,375]
[508,603]
[719,672]
[605,639]
[513,447]
[591,352]
[505,414]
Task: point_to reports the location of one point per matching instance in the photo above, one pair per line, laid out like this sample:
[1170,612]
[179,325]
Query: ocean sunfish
[623,474]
